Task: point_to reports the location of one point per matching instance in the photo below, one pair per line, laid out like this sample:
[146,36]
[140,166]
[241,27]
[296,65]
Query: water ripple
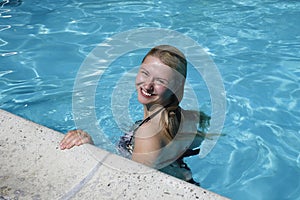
[4,11]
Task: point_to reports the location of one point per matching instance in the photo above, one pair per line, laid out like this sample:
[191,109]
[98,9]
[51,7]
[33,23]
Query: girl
[167,133]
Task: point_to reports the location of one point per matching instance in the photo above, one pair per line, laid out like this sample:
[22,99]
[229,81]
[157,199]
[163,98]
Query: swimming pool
[255,45]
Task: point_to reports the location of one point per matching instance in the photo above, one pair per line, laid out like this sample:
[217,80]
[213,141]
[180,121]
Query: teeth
[146,93]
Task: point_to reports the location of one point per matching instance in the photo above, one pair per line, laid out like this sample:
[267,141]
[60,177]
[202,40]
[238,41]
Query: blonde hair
[175,59]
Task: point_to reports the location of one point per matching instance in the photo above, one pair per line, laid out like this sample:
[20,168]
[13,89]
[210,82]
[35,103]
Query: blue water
[255,45]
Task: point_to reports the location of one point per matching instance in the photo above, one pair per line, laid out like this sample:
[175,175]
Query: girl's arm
[75,138]
[146,146]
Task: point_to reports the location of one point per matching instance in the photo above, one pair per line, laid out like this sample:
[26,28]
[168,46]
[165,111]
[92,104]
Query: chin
[143,101]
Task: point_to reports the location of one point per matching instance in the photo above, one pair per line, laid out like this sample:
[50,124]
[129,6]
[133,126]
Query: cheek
[138,79]
[162,91]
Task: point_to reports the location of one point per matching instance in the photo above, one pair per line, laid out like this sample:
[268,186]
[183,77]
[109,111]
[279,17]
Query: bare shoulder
[147,145]
[150,129]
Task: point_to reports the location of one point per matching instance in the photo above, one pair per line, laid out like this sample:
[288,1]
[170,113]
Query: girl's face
[155,82]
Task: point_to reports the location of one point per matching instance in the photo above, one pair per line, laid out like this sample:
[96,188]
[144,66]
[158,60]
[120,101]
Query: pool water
[255,45]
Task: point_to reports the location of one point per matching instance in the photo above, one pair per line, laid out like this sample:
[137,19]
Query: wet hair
[175,59]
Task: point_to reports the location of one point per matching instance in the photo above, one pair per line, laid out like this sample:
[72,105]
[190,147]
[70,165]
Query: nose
[149,84]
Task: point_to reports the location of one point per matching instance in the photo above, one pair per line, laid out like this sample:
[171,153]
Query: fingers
[75,138]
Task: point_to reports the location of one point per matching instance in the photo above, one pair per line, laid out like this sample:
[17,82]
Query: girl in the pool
[167,133]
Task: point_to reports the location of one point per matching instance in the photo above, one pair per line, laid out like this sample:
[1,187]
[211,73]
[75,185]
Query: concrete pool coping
[33,167]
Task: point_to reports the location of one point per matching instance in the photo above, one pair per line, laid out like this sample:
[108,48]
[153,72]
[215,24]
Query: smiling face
[155,82]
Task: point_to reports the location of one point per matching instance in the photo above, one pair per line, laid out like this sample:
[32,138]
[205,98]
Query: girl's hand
[75,138]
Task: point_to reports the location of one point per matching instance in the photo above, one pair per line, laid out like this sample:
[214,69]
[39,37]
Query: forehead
[155,66]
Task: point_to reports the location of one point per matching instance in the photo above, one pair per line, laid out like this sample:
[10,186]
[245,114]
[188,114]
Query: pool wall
[33,167]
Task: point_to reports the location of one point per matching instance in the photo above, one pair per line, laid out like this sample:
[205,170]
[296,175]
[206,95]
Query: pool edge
[33,166]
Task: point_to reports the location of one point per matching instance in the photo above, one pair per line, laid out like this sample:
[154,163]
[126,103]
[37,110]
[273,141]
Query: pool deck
[33,167]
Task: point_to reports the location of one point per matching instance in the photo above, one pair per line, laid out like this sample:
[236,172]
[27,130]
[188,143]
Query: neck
[150,111]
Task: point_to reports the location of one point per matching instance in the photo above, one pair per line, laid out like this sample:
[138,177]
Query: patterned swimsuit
[126,145]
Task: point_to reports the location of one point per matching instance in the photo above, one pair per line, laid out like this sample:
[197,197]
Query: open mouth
[144,93]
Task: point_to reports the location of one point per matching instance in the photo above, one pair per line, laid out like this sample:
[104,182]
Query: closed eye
[144,72]
[162,81]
